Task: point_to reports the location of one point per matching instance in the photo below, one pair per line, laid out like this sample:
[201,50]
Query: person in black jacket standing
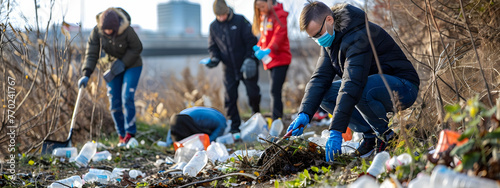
[231,41]
[360,99]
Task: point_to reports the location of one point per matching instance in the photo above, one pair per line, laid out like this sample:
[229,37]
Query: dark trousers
[231,83]
[278,76]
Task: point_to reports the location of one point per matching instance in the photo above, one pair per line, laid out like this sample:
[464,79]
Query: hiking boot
[366,148]
[122,142]
[385,140]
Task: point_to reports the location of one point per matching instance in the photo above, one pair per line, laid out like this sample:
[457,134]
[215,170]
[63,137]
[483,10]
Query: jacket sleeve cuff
[87,72]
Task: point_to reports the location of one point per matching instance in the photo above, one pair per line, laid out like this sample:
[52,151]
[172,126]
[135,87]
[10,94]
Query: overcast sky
[143,12]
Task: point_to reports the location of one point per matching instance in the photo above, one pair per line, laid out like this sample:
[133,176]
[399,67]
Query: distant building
[179,18]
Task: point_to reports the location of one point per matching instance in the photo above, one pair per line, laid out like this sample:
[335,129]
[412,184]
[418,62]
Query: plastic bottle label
[68,154]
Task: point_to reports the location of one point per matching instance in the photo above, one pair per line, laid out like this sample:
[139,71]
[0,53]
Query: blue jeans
[369,116]
[121,91]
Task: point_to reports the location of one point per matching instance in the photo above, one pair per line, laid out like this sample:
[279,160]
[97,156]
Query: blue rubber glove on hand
[302,119]
[259,53]
[210,62]
[83,82]
[333,145]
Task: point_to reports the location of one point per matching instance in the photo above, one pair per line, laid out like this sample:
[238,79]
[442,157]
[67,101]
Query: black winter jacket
[351,57]
[231,41]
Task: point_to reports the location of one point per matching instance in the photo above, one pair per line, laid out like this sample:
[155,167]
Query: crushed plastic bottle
[445,177]
[134,174]
[87,152]
[391,182]
[378,164]
[217,152]
[365,182]
[422,180]
[253,127]
[401,160]
[132,143]
[276,128]
[225,139]
[184,154]
[68,152]
[73,181]
[102,155]
[117,173]
[196,164]
[97,175]
[349,147]
[197,141]
[320,141]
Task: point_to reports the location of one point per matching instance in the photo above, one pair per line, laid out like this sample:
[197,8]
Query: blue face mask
[326,39]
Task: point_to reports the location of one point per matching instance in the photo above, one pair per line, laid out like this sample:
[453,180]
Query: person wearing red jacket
[273,47]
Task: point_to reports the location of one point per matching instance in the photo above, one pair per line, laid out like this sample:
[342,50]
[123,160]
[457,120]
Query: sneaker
[366,148]
[128,136]
[384,140]
[122,142]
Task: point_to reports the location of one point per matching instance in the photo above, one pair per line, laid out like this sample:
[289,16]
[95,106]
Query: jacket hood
[347,16]
[124,22]
[278,8]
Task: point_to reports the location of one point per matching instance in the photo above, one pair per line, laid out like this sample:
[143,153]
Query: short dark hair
[314,10]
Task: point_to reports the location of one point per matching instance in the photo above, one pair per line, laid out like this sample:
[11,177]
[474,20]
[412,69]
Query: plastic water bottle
[365,182]
[97,175]
[87,152]
[225,139]
[421,181]
[132,143]
[117,173]
[73,181]
[276,128]
[184,154]
[136,173]
[378,164]
[445,177]
[401,160]
[196,164]
[217,152]
[68,152]
[267,59]
[103,155]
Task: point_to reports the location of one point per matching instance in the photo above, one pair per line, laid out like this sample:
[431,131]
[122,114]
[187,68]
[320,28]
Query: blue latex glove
[259,53]
[302,119]
[83,82]
[210,62]
[333,145]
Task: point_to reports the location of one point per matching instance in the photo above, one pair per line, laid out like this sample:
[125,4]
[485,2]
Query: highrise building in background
[179,18]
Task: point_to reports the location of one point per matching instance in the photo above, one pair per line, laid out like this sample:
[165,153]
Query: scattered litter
[73,181]
[102,155]
[196,164]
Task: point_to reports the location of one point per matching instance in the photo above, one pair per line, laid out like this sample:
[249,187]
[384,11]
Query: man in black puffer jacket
[231,41]
[360,99]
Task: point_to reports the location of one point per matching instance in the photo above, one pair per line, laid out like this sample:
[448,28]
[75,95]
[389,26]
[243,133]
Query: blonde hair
[256,15]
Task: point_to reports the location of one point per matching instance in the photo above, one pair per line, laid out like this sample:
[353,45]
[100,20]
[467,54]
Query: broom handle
[75,111]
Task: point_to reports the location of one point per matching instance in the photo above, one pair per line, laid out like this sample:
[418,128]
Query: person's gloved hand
[259,53]
[333,145]
[210,62]
[249,68]
[83,81]
[302,119]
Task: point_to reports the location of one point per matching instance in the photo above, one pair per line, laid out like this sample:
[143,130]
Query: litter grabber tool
[49,145]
